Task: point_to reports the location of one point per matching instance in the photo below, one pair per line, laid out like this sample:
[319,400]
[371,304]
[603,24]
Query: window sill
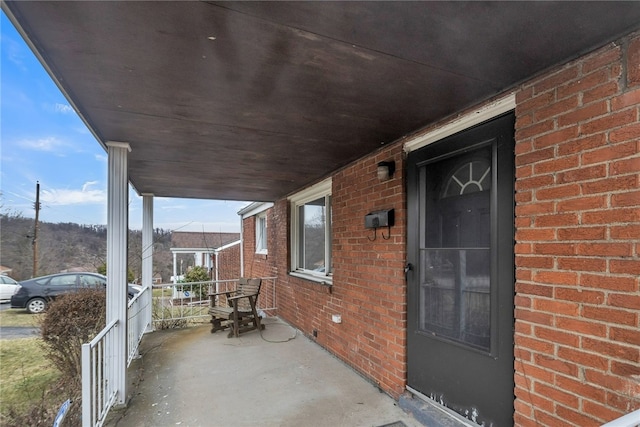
[322,280]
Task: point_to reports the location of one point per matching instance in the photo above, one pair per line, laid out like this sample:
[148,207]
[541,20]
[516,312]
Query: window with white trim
[311,232]
[261,233]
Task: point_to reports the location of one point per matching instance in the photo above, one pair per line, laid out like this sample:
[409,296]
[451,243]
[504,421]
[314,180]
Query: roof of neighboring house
[186,239]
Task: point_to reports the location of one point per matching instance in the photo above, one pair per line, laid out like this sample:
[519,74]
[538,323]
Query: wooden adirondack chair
[239,313]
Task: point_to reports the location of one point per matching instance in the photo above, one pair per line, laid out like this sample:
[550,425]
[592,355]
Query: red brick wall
[229,263]
[368,288]
[261,265]
[577,337]
[577,342]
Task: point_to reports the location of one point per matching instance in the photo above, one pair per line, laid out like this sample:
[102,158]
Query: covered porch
[191,377]
[295,103]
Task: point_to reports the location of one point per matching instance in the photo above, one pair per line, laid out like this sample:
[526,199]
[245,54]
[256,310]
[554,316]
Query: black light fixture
[386,170]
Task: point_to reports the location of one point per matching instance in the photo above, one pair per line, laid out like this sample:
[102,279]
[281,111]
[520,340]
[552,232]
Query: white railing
[630,420]
[98,394]
[174,304]
[177,302]
[139,321]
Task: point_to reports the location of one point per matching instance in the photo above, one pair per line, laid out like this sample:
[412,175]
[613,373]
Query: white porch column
[147,255]
[117,233]
[175,268]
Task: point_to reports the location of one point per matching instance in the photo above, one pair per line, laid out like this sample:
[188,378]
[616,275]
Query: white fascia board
[482,114]
[228,245]
[254,209]
[191,250]
[313,192]
[203,250]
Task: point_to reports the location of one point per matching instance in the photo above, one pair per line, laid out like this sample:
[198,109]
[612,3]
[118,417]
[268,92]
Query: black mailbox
[376,219]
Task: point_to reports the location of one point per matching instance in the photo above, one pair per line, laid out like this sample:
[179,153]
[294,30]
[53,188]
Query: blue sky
[42,139]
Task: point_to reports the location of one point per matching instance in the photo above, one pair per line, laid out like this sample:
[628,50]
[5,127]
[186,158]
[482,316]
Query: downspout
[217,254]
[241,246]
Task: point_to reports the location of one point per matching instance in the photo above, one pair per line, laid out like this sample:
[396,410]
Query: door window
[455,301]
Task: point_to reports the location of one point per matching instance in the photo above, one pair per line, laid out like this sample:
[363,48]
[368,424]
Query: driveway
[13,332]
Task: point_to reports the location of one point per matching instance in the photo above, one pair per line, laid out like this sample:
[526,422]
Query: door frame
[501,210]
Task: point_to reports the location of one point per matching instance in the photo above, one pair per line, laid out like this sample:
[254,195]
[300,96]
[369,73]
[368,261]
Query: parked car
[35,294]
[8,287]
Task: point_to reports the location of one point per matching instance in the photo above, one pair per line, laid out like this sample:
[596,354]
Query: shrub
[196,274]
[70,321]
[164,317]
[41,414]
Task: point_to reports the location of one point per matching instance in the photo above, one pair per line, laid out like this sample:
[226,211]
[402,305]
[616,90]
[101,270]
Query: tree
[102,269]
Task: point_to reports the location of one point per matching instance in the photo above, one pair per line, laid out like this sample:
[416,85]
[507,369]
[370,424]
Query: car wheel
[36,305]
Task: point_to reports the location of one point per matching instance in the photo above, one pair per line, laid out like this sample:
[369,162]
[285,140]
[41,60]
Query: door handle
[408,268]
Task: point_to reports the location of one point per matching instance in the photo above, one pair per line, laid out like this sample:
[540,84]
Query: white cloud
[64,196]
[173,207]
[50,143]
[86,185]
[63,108]
[58,108]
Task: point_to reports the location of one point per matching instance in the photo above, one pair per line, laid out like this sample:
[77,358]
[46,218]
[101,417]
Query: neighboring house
[259,249]
[219,253]
[157,279]
[492,257]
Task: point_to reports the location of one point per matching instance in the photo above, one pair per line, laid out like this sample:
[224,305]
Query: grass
[26,374]
[28,394]
[17,317]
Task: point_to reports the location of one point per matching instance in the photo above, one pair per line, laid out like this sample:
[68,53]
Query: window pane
[313,221]
[455,295]
[66,280]
[92,281]
[261,234]
[455,298]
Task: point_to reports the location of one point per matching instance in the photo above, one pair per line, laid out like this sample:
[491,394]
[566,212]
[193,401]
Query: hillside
[64,246]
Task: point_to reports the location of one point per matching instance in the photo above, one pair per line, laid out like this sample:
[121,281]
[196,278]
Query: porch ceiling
[252,100]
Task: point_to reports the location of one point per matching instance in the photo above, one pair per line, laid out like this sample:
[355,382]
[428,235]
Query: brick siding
[577,251]
[368,288]
[261,265]
[577,302]
[229,263]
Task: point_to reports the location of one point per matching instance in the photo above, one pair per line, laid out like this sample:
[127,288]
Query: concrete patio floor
[190,377]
